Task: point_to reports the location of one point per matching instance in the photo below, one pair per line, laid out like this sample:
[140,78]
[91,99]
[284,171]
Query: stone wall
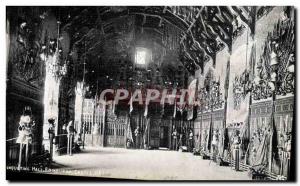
[241,107]
[28,32]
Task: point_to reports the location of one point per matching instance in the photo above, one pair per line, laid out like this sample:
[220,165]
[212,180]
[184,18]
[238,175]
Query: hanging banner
[238,95]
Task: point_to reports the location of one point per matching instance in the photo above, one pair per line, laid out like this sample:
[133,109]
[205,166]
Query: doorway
[163,136]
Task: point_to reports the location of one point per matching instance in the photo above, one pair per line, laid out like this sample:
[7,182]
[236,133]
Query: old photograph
[150,93]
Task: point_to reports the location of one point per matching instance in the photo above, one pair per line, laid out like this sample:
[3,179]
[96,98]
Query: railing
[65,143]
[15,154]
[61,142]
[23,158]
[12,152]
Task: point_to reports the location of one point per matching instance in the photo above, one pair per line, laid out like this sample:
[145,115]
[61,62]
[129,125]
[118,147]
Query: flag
[114,105]
[146,130]
[146,110]
[261,145]
[245,138]
[163,110]
[226,85]
[96,100]
[181,108]
[191,99]
[252,63]
[209,136]
[174,114]
[275,154]
[163,107]
[129,131]
[131,105]
[103,112]
[226,140]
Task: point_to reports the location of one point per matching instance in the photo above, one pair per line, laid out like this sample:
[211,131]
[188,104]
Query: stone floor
[142,164]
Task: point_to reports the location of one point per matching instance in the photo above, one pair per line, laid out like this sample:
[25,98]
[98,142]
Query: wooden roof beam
[192,24]
[99,21]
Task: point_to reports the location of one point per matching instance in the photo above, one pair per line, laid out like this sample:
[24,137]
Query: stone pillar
[78,106]
[51,97]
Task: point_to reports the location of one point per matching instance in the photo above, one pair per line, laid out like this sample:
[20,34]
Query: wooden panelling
[19,95]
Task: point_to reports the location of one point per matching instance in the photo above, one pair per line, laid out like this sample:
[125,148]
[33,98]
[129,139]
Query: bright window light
[141,56]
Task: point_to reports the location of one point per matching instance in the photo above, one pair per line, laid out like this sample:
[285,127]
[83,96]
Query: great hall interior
[236,63]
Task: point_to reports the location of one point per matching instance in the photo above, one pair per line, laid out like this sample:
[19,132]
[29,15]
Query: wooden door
[163,137]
